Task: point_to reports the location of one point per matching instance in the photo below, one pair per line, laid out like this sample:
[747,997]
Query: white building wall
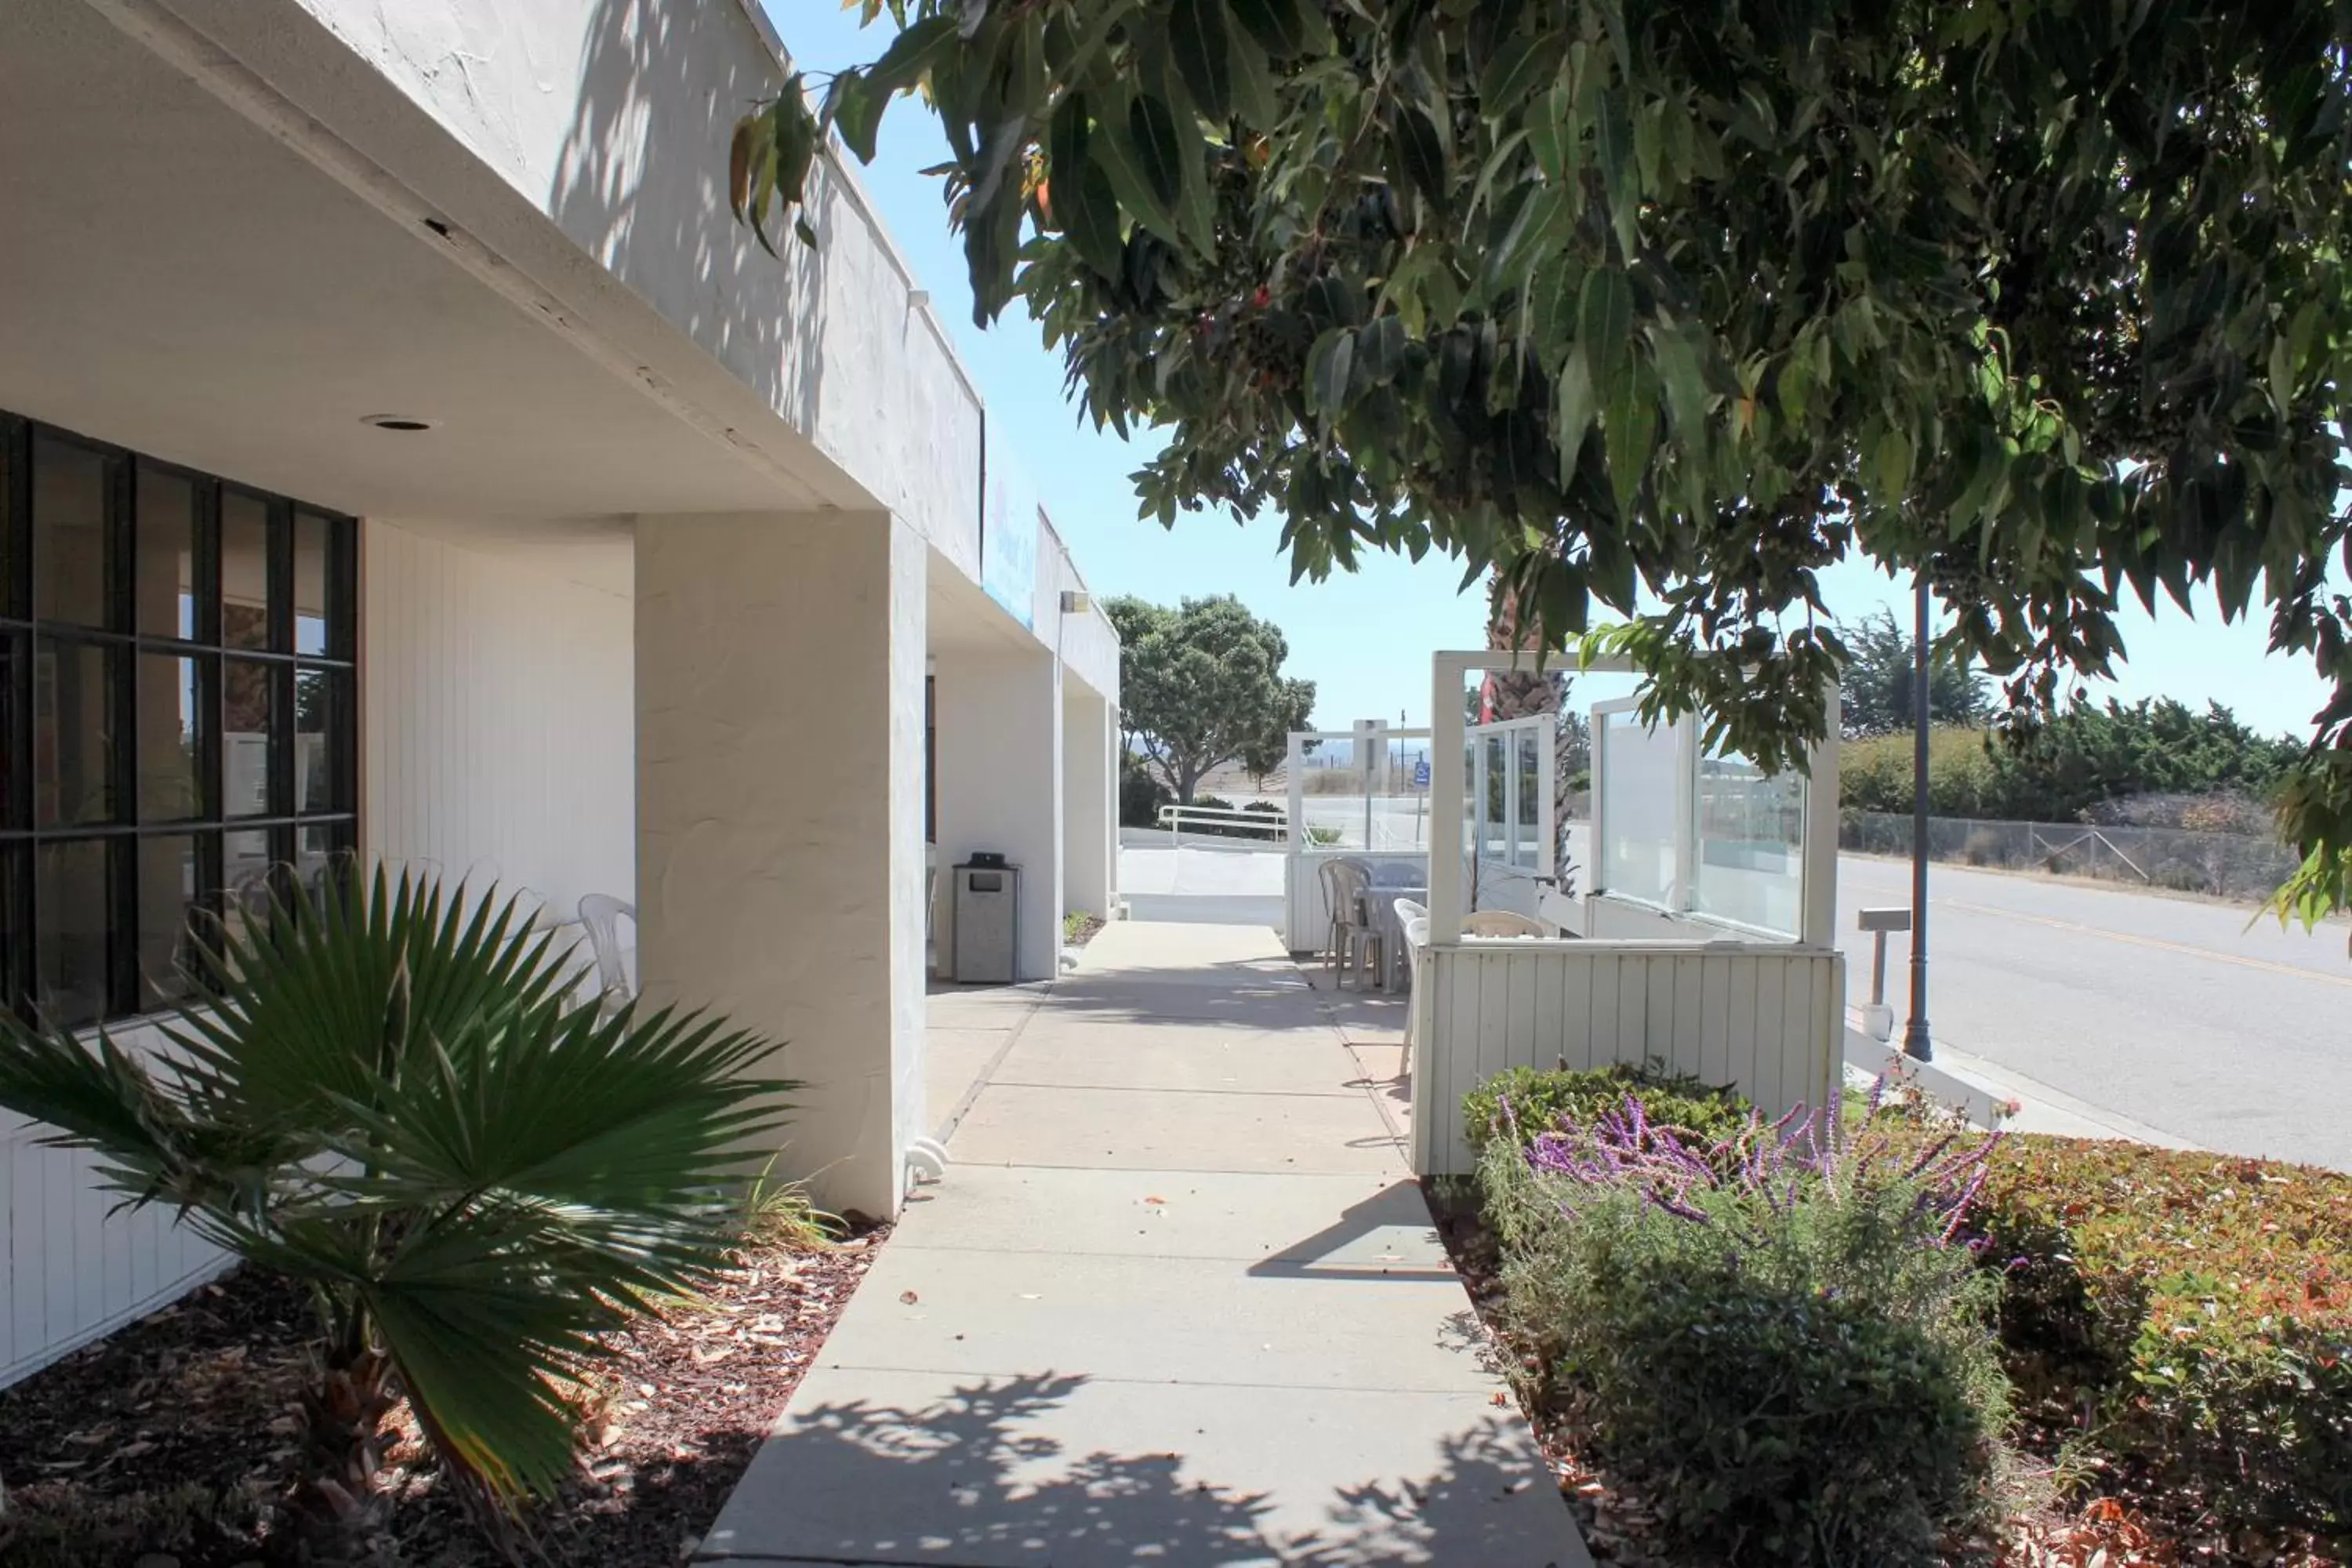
[498,725]
[999,788]
[611,118]
[780,711]
[70,1272]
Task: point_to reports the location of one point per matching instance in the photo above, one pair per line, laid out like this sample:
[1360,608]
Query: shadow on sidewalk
[976,1479]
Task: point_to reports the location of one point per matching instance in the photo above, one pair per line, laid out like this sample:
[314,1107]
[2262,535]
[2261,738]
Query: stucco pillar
[780,814]
[999,714]
[1089,815]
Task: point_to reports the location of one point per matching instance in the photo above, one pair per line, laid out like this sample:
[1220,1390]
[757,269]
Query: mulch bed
[2128,1528]
[1081,930]
[171,1436]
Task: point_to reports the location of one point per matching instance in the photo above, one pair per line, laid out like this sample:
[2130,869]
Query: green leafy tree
[1201,686]
[1665,308]
[1879,692]
[391,1100]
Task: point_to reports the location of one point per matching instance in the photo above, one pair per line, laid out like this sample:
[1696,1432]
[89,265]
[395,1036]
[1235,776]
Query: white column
[999,715]
[1089,803]
[780,814]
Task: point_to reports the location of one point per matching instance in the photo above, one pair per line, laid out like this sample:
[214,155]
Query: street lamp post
[1916,1042]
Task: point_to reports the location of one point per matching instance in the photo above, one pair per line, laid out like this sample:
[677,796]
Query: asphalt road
[2173,1011]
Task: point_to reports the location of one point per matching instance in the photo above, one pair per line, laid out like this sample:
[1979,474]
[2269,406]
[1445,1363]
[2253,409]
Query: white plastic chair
[1501,922]
[1412,924]
[1351,944]
[601,913]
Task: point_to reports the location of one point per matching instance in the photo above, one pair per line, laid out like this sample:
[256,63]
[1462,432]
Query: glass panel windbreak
[163,590]
[73,733]
[1751,837]
[1637,772]
[73,542]
[1526,819]
[250,734]
[69,905]
[1494,799]
[245,576]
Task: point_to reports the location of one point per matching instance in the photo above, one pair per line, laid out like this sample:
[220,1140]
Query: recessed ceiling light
[406,421]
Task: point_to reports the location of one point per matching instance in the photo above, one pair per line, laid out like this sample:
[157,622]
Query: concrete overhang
[196,263]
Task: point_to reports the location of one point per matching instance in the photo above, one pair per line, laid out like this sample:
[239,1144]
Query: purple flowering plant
[1767,1168]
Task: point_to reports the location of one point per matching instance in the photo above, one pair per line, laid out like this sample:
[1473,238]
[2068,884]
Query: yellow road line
[2156,942]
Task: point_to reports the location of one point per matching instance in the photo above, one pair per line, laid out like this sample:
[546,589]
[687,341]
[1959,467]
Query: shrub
[1141,795]
[395,1100]
[1789,1357]
[2202,1303]
[1541,1100]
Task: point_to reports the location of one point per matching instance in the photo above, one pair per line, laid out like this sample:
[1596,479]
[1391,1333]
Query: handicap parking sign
[1421,774]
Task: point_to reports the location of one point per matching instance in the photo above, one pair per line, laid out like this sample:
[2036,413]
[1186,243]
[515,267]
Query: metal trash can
[987,920]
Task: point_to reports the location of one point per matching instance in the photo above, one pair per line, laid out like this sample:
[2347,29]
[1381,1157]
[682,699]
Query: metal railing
[1225,821]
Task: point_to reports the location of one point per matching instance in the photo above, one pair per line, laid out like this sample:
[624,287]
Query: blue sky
[1364,639]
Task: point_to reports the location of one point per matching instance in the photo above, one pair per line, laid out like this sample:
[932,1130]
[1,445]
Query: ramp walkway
[1178,1302]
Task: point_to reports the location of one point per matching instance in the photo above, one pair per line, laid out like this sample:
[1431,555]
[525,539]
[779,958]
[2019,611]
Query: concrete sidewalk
[1177,1302]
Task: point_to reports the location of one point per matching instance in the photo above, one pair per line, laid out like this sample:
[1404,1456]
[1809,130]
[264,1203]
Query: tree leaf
[1085,205]
[1631,428]
[1572,411]
[1605,329]
[1112,146]
[1421,152]
[1256,103]
[1277,25]
[1196,38]
[1329,365]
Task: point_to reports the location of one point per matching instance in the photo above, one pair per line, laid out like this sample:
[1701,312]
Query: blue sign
[1421,774]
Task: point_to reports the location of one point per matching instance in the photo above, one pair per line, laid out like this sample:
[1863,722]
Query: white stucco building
[407,452]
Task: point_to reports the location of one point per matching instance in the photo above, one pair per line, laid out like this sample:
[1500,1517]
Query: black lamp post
[1916,1043]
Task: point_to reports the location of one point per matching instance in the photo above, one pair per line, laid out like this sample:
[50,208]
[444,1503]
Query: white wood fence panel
[72,1266]
[1767,1020]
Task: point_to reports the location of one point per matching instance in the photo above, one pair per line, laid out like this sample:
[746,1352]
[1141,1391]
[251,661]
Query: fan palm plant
[389,1096]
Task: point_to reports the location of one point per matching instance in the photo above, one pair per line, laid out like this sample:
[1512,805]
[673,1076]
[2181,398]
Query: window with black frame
[176,717]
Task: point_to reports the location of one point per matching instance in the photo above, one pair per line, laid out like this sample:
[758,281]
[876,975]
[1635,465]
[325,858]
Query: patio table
[1381,915]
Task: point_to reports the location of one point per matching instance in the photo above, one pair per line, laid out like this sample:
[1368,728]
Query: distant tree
[1878,689]
[1201,686]
[2078,764]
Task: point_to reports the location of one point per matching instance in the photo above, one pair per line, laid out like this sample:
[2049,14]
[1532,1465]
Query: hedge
[2204,1301]
[1543,1099]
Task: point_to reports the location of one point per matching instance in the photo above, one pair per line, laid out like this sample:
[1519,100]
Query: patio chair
[601,913]
[1413,927]
[1501,922]
[1350,940]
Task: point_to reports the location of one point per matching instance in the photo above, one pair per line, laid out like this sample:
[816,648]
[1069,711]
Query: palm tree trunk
[335,1508]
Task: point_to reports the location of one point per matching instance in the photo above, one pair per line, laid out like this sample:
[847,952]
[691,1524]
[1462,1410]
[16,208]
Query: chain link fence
[2223,865]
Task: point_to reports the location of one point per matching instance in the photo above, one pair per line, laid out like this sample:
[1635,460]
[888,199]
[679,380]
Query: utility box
[987,920]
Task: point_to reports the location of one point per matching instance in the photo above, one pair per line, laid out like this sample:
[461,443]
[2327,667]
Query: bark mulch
[162,1445]
[2127,1531]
